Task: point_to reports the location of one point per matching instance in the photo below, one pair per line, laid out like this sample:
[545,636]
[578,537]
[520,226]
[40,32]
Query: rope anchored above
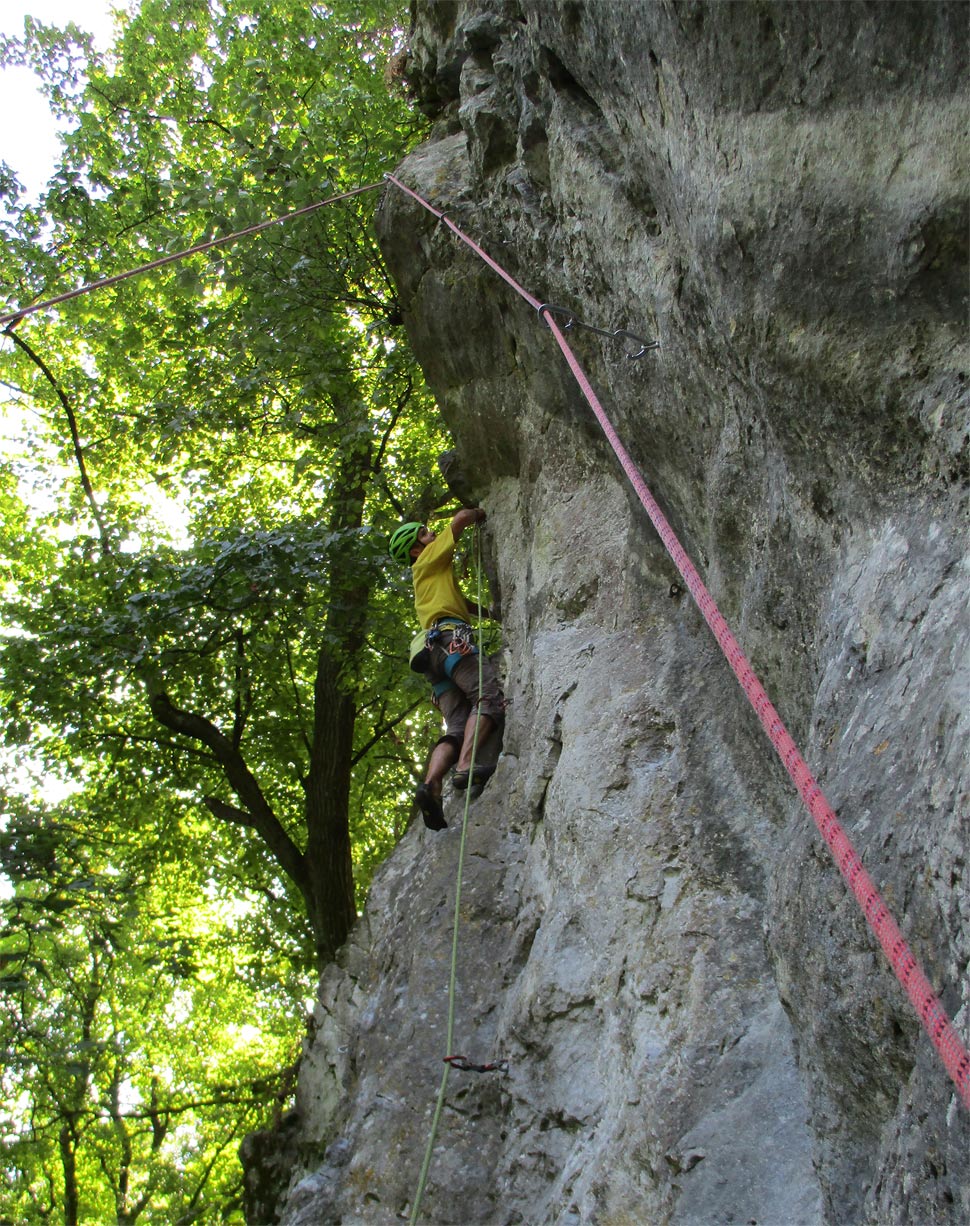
[935,1020]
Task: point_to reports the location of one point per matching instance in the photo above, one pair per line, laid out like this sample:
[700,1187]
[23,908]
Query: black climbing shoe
[479,777]
[430,806]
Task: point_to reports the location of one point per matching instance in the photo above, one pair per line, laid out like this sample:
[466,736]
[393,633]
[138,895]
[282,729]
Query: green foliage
[204,651]
[127,1089]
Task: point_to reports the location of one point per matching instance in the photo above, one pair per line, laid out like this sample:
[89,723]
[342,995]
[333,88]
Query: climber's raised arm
[465,518]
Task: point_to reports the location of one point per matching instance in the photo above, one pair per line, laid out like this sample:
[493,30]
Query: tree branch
[294,685]
[243,696]
[228,813]
[380,733]
[75,435]
[259,814]
[398,410]
[160,742]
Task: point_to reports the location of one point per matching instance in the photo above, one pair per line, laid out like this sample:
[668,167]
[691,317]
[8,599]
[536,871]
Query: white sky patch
[30,146]
[22,774]
[244,1035]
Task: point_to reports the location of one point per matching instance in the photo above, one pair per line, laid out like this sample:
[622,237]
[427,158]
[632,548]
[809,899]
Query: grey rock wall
[699,1027]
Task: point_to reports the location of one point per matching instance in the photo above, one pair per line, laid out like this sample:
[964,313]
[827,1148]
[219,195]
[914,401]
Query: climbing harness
[459,646]
[441,687]
[456,650]
[456,1061]
[924,1000]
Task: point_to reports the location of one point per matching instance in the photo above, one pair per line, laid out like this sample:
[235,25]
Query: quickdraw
[616,334]
[466,1066]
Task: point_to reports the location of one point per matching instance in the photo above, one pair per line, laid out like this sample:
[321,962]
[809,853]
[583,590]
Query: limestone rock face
[699,1027]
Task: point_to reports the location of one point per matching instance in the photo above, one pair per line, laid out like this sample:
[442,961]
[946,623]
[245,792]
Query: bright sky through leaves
[157,948]
[28,135]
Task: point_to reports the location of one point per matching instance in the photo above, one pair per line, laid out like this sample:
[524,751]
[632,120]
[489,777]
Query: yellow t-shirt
[436,590]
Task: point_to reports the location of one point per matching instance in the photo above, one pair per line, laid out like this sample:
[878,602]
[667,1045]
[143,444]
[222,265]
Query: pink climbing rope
[12,318]
[930,1011]
[506,276]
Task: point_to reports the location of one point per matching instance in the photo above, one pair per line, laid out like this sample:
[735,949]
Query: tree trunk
[69,1167]
[328,851]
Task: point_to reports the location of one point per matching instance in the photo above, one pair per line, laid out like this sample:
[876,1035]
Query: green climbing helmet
[403,540]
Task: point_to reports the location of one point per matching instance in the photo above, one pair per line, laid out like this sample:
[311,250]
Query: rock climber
[445,652]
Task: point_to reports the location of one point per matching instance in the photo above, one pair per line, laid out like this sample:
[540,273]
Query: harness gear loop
[460,644]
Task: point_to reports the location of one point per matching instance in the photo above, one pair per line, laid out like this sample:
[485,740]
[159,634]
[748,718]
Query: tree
[109,1114]
[290,391]
[202,640]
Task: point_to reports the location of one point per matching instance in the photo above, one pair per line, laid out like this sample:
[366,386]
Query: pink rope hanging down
[908,971]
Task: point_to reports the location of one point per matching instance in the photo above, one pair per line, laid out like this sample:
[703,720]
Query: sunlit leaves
[251,427]
[102,977]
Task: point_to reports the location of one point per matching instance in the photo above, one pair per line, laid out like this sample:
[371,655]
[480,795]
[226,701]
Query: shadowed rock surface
[699,1027]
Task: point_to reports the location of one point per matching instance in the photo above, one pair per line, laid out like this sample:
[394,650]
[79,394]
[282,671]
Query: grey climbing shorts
[457,703]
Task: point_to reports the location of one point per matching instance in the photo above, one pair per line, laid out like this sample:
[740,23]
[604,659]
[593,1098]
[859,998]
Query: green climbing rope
[439,1105]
